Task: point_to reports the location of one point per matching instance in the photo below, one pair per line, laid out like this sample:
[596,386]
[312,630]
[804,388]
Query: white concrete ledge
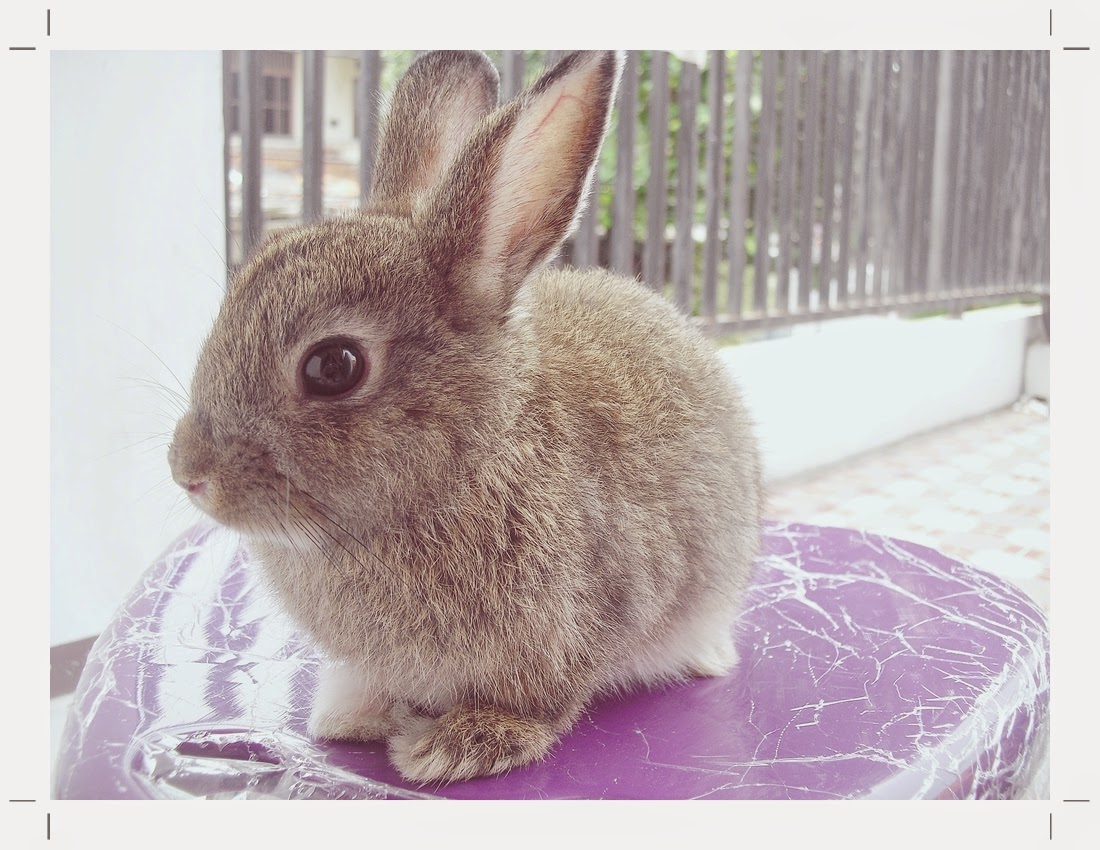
[838,389]
[1037,371]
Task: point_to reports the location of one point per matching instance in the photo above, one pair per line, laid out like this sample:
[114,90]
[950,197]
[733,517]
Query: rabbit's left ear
[436,106]
[516,191]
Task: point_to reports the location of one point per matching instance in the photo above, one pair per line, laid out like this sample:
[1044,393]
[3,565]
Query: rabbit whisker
[174,511]
[285,503]
[150,350]
[322,509]
[146,379]
[321,548]
[133,445]
[316,525]
[161,445]
[225,226]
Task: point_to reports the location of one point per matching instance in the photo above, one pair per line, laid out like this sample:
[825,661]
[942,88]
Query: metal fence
[766,188]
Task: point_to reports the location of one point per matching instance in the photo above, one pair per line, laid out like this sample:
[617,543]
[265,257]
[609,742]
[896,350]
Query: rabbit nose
[195,488]
[184,471]
[193,484]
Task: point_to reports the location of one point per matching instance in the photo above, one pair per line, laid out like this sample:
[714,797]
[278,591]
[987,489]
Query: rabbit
[487,489]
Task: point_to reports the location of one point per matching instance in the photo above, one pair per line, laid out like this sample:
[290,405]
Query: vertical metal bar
[313,124]
[622,219]
[739,182]
[828,180]
[948,154]
[586,239]
[368,95]
[991,144]
[1031,188]
[252,128]
[1012,188]
[885,180]
[916,122]
[928,142]
[714,181]
[1027,201]
[959,232]
[910,131]
[653,264]
[1029,61]
[868,113]
[985,173]
[585,248]
[1022,131]
[999,144]
[1009,192]
[981,173]
[894,178]
[872,227]
[788,168]
[974,177]
[511,77]
[847,159]
[765,166]
[1008,199]
[1044,165]
[808,174]
[1035,228]
[1018,133]
[1029,130]
[687,145]
[1003,172]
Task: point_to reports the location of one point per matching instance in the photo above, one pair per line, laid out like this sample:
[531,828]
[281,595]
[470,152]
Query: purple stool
[869,668]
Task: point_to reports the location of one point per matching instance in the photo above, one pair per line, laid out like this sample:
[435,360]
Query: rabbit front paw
[467,742]
[352,722]
[345,709]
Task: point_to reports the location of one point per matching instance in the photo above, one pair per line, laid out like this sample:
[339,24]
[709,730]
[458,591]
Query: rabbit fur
[545,486]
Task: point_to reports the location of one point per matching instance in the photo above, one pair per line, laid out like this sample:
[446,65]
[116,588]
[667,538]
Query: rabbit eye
[332,368]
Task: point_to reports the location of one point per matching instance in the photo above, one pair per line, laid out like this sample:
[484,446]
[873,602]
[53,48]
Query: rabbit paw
[351,723]
[344,710]
[467,742]
[717,659]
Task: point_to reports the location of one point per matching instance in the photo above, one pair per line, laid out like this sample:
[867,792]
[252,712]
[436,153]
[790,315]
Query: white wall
[849,386]
[136,241]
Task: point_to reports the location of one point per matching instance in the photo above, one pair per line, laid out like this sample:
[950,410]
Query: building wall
[339,130]
[340,75]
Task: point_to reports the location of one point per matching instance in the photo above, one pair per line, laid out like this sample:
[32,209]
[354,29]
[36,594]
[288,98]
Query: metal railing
[763,189]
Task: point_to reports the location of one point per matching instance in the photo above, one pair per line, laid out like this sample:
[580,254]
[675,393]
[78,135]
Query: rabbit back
[667,451]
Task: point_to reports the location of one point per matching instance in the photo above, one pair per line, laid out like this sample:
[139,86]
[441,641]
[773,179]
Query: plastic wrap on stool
[870,667]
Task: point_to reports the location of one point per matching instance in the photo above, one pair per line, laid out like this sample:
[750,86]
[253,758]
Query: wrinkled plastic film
[869,668]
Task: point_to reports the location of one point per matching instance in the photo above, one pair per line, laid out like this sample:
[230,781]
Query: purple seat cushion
[869,667]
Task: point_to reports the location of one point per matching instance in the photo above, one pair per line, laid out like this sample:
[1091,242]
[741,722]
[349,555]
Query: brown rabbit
[487,489]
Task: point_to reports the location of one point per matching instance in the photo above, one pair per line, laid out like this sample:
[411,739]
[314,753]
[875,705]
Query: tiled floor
[977,490]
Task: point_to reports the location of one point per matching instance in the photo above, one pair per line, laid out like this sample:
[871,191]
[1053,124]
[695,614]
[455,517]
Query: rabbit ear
[516,191]
[435,107]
